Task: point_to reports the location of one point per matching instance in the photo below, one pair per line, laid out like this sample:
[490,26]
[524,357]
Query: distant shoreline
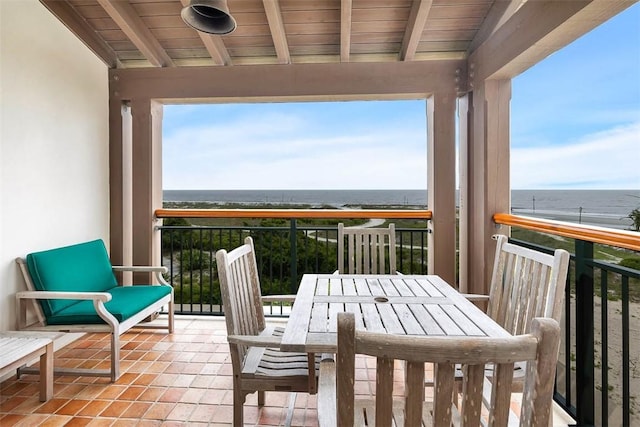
[600,220]
[604,208]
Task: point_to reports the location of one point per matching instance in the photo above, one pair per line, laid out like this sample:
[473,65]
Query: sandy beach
[610,221]
[614,345]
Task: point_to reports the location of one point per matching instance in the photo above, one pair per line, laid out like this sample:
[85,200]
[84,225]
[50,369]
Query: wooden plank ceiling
[151,33]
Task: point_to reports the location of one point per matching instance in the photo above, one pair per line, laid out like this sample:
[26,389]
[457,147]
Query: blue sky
[575,124]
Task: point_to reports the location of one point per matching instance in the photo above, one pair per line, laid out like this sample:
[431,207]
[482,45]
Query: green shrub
[194,259]
[633,263]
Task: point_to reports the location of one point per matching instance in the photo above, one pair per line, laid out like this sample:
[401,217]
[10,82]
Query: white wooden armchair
[367,250]
[258,364]
[538,348]
[525,284]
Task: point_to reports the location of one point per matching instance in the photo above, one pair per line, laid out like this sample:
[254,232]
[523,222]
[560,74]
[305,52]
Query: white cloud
[603,160]
[288,151]
[262,157]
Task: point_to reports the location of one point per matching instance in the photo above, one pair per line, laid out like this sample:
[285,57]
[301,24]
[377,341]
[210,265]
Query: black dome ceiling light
[209,16]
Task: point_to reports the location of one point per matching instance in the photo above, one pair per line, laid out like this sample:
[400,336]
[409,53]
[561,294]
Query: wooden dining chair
[525,284]
[364,250]
[258,364]
[538,348]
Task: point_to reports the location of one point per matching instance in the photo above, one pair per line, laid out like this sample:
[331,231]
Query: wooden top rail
[293,213]
[606,236]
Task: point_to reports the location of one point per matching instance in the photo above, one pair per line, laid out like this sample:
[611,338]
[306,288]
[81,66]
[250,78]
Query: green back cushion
[84,267]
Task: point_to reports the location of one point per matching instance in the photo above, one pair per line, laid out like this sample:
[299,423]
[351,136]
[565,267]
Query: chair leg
[238,407]
[261,398]
[115,356]
[171,316]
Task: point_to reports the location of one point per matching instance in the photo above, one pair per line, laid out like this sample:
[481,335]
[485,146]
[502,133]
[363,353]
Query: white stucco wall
[54,177]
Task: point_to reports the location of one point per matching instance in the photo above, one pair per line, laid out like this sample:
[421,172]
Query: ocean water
[335,198]
[596,207]
[607,208]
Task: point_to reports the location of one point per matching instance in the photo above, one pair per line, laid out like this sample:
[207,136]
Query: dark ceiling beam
[536,30]
[273,83]
[276,26]
[499,13]
[517,45]
[135,29]
[417,20]
[216,48]
[81,29]
[345,29]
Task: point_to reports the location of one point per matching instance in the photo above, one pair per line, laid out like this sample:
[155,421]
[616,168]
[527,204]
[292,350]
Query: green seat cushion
[125,302]
[84,267]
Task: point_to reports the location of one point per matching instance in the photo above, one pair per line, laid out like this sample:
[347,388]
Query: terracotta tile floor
[182,379]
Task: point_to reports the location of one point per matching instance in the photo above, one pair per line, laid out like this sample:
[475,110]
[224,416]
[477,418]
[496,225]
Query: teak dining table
[394,304]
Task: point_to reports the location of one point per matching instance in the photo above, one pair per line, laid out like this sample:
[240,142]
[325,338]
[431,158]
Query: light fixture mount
[209,16]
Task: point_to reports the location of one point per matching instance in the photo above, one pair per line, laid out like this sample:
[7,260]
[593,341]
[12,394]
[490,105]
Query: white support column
[127,192]
[120,131]
[441,184]
[488,185]
[465,138]
[147,183]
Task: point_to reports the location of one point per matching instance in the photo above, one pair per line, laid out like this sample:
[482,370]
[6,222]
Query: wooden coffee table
[17,348]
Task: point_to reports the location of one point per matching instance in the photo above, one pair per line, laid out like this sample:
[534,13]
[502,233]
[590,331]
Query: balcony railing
[597,374]
[284,254]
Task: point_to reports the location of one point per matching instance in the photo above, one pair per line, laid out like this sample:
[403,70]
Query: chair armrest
[327,411]
[158,269]
[476,297]
[255,340]
[141,268]
[278,298]
[97,296]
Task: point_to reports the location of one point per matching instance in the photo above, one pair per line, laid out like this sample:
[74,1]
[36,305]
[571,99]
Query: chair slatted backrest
[241,297]
[539,349]
[526,284]
[367,250]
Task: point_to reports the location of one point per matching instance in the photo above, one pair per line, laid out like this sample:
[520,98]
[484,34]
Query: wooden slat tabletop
[395,304]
